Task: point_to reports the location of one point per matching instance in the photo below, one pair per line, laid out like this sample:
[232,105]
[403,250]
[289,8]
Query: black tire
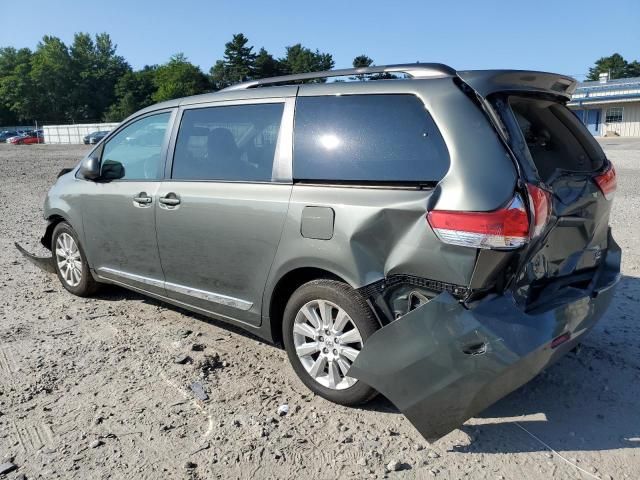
[355,306]
[87,286]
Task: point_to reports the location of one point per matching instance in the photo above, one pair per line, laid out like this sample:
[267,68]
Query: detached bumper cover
[443,363]
[45,263]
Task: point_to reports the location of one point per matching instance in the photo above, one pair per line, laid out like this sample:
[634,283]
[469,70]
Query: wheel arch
[284,288]
[53,220]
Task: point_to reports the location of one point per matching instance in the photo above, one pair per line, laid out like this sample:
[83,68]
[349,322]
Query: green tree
[179,78]
[615,65]
[82,53]
[219,76]
[17,95]
[96,70]
[133,91]
[632,70]
[362,61]
[299,59]
[266,65]
[52,80]
[238,63]
[110,67]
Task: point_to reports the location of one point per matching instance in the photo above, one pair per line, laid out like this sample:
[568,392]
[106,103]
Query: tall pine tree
[238,64]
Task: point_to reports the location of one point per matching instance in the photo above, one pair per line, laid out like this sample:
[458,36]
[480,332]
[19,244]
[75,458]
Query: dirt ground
[90,388]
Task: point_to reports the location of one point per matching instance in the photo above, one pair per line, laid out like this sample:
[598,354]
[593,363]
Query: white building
[609,107]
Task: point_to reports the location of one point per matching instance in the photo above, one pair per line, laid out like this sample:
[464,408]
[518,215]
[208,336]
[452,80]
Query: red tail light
[607,182]
[540,202]
[560,340]
[506,227]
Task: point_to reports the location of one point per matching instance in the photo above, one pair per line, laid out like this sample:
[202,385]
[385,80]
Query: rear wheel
[324,328]
[71,264]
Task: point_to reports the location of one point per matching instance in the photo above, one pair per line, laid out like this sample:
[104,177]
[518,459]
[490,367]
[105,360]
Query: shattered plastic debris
[7,467]
[283,410]
[182,359]
[198,391]
[208,365]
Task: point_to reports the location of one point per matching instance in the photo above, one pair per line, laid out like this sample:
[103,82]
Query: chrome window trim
[174,287]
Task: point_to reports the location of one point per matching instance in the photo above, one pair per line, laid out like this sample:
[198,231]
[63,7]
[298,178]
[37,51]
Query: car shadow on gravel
[588,401]
[555,408]
[114,293]
[585,402]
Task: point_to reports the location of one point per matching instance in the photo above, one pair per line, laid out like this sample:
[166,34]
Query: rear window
[555,137]
[367,138]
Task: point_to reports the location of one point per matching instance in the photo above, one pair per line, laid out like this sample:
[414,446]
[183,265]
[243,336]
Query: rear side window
[235,143]
[555,137]
[368,138]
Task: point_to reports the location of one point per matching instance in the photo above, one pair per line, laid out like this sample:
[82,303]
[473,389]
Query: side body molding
[104,273]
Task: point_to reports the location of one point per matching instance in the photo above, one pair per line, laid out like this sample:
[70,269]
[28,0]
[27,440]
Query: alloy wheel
[68,259]
[327,341]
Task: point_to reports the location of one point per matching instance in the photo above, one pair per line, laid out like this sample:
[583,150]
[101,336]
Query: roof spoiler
[486,82]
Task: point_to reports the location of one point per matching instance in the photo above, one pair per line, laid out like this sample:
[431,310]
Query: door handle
[142,198]
[170,199]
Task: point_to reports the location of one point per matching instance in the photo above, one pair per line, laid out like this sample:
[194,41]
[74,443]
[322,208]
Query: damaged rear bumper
[442,363]
[45,263]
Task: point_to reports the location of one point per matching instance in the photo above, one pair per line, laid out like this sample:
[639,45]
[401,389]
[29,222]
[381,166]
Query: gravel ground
[90,388]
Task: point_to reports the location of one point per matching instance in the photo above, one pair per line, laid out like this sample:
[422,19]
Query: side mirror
[90,168]
[112,170]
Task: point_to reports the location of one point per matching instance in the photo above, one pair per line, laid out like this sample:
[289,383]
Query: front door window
[134,152]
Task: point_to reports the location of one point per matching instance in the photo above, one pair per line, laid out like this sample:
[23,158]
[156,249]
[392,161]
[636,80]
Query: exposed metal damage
[444,361]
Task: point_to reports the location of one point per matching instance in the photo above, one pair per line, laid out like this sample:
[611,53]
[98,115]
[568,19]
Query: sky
[558,36]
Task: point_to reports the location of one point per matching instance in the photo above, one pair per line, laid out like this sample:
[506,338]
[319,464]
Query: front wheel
[325,326]
[70,262]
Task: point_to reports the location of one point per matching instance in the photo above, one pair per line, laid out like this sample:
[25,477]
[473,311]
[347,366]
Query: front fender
[63,202]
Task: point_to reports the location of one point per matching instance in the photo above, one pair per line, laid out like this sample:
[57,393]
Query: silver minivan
[434,235]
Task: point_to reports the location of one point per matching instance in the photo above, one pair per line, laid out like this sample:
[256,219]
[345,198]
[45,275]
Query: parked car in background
[95,137]
[439,239]
[37,136]
[19,135]
[7,134]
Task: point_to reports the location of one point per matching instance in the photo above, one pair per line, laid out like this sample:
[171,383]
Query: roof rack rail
[414,70]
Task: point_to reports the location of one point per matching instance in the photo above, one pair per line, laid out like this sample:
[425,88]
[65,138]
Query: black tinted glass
[380,138]
[228,143]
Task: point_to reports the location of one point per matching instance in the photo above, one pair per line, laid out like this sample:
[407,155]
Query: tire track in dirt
[75,371]
[32,437]
[8,365]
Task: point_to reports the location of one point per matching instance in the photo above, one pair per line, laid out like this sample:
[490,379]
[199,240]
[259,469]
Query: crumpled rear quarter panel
[377,232]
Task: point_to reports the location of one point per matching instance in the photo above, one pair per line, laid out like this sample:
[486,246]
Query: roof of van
[484,82]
